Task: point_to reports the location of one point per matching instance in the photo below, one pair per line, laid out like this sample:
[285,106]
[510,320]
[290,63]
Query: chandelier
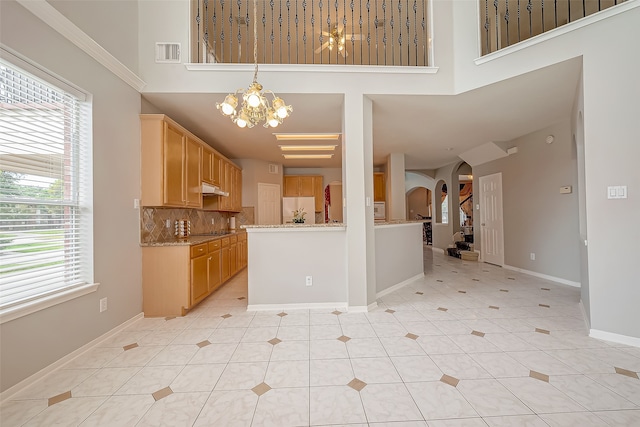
[255,106]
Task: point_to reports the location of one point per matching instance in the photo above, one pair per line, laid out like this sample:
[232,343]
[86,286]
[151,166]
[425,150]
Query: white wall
[253,172]
[281,258]
[537,218]
[35,341]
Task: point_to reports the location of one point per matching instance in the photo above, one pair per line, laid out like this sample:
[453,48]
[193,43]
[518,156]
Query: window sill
[15,312]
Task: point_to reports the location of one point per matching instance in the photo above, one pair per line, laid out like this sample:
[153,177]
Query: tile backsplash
[153,221]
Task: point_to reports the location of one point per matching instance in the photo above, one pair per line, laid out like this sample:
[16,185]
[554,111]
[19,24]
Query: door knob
[482,224]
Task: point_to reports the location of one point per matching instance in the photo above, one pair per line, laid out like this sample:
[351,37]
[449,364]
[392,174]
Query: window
[46,253]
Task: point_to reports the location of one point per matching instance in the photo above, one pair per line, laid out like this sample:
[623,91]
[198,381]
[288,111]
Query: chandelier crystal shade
[255,107]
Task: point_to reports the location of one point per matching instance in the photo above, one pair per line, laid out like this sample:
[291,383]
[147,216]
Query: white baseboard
[362,308]
[8,393]
[617,338]
[584,316]
[295,306]
[399,285]
[544,276]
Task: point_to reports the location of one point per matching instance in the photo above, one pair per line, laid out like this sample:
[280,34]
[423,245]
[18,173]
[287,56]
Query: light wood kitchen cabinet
[199,278]
[379,189]
[305,186]
[211,167]
[171,164]
[224,260]
[233,255]
[177,278]
[230,182]
[215,274]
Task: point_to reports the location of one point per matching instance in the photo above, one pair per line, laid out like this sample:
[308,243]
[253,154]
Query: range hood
[212,190]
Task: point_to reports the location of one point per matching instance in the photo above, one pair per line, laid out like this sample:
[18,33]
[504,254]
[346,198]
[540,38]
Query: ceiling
[430,130]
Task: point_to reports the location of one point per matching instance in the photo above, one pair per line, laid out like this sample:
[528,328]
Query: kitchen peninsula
[305,266]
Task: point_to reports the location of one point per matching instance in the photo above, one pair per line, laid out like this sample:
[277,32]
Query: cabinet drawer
[242,237]
[214,245]
[233,239]
[198,250]
[225,242]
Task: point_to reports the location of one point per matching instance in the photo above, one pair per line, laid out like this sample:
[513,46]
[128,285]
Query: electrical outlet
[309,280]
[532,255]
[213,221]
[167,223]
[136,203]
[103,304]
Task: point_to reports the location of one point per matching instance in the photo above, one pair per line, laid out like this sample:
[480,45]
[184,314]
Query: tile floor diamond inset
[417,360]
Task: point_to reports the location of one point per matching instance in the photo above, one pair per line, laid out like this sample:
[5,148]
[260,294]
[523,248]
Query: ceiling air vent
[273,168]
[168,52]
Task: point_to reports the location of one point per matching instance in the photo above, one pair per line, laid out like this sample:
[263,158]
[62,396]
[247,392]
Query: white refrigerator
[290,204]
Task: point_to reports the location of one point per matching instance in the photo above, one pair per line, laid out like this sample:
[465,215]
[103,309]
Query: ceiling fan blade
[324,45]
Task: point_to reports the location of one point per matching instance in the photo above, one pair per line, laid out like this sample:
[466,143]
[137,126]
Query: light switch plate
[617,192]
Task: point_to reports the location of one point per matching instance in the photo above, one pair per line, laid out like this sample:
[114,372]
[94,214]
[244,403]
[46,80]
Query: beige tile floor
[469,345]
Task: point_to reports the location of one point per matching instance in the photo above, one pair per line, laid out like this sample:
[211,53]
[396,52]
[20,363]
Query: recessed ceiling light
[306,136]
[307,147]
[307,156]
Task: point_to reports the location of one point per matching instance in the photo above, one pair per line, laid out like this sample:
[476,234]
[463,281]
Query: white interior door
[268,204]
[491,222]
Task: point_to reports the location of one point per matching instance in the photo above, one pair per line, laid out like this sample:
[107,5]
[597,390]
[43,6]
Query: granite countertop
[191,240]
[292,225]
[402,221]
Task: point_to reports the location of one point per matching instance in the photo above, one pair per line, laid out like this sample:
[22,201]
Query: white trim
[14,312]
[311,68]
[10,392]
[50,16]
[564,29]
[399,285]
[439,250]
[36,70]
[295,306]
[617,338]
[544,276]
[584,315]
[362,308]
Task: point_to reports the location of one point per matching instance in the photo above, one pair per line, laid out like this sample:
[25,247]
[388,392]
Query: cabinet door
[216,166]
[199,279]
[233,258]
[226,185]
[318,191]
[193,179]
[173,166]
[306,186]
[379,189]
[237,189]
[224,261]
[290,186]
[215,273]
[207,166]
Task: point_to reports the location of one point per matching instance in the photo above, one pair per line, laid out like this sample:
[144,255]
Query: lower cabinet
[177,278]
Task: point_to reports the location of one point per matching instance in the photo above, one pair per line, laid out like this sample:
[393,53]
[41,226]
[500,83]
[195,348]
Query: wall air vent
[273,168]
[168,53]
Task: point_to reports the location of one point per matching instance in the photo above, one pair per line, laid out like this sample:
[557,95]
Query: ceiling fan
[337,39]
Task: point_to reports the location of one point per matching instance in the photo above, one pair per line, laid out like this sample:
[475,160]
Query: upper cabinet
[171,164]
[379,189]
[305,186]
[230,182]
[175,163]
[211,163]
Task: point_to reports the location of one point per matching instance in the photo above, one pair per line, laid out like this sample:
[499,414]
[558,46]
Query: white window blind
[45,232]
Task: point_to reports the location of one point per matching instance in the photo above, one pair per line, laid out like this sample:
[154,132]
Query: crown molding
[50,16]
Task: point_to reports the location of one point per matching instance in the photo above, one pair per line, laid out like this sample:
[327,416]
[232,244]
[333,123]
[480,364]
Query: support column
[357,171]
[395,187]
